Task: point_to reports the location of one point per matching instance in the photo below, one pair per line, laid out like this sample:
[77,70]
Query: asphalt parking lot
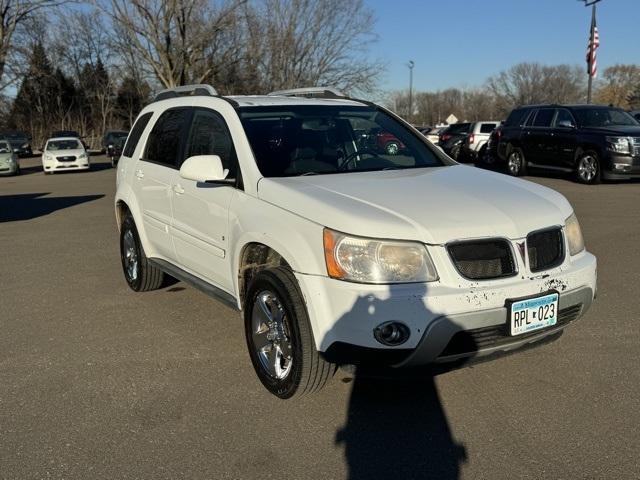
[97,381]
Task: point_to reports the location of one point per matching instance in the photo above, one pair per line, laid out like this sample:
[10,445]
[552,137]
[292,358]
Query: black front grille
[470,341]
[483,259]
[545,249]
[69,158]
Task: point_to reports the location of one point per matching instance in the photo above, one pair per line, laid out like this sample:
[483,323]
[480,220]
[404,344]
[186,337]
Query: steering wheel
[349,158]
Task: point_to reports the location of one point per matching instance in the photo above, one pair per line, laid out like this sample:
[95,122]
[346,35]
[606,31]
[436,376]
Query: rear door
[200,210]
[155,174]
[564,139]
[537,135]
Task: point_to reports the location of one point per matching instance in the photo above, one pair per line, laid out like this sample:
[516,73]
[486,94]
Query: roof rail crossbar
[309,92]
[186,90]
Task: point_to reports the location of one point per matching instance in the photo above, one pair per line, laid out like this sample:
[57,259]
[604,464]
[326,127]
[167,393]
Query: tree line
[521,84]
[93,68]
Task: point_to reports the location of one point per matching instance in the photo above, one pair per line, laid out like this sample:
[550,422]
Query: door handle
[178,189]
[139,174]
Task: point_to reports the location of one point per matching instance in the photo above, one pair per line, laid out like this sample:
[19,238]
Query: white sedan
[64,153]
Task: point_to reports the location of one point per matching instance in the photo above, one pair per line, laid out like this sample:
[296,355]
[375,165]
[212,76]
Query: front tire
[588,169]
[140,275]
[516,163]
[279,336]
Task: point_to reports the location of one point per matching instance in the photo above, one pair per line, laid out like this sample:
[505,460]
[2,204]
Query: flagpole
[593,22]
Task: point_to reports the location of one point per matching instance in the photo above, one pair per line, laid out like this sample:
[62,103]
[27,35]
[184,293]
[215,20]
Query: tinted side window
[136,132]
[544,117]
[165,138]
[564,117]
[487,127]
[210,136]
[517,117]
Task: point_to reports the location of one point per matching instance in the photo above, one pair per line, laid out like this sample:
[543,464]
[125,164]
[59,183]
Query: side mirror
[566,124]
[203,168]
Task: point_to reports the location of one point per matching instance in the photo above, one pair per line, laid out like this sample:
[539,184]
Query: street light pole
[411,65]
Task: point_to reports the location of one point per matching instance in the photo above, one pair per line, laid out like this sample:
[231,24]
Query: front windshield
[603,117]
[64,145]
[5,147]
[312,140]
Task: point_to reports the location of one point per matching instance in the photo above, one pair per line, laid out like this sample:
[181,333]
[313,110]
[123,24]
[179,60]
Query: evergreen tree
[130,99]
[35,105]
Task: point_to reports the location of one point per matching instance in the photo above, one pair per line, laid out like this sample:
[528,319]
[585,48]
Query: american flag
[594,43]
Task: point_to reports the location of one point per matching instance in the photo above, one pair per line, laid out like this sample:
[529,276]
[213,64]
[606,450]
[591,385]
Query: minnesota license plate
[532,314]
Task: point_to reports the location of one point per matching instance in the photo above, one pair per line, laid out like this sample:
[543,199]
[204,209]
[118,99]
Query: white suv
[335,251]
[474,145]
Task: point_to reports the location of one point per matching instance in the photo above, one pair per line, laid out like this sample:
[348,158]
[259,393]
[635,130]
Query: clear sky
[461,43]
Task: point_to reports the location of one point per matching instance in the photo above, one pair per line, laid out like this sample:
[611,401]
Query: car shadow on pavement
[395,425]
[33,205]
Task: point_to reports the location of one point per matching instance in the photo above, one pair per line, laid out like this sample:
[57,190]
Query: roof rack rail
[309,92]
[186,90]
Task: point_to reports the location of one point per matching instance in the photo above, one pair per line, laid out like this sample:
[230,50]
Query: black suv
[451,138]
[592,141]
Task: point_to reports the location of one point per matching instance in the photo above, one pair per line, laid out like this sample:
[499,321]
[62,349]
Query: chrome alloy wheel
[393,148]
[588,168]
[130,255]
[514,163]
[271,336]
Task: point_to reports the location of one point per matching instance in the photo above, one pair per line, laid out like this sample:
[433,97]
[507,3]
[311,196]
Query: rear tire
[279,336]
[516,163]
[140,275]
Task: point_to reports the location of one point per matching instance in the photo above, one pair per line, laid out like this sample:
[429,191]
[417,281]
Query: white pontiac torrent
[336,251]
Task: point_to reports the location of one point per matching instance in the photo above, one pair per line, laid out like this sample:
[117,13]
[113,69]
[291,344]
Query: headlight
[574,235]
[619,144]
[48,157]
[367,260]
[83,155]
[25,145]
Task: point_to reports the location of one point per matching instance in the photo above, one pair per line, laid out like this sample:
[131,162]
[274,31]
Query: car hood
[66,153]
[625,130]
[432,205]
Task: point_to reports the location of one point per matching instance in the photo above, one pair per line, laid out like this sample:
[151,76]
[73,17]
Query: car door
[564,139]
[200,210]
[537,135]
[155,174]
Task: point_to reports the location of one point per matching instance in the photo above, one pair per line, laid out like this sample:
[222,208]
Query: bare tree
[13,14]
[617,85]
[171,38]
[295,43]
[530,83]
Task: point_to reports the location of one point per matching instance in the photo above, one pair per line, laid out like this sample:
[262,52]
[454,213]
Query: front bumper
[621,167]
[345,314]
[8,168]
[56,166]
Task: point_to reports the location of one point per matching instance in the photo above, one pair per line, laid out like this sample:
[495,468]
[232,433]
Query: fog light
[391,333]
[621,166]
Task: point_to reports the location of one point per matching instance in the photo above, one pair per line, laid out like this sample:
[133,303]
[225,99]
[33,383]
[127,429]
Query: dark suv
[592,141]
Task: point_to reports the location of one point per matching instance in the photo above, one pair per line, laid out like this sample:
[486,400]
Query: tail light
[472,138]
[444,137]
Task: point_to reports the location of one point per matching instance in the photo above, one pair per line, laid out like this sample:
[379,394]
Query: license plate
[532,314]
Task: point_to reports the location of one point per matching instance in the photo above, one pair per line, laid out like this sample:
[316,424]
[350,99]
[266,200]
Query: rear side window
[210,136]
[517,117]
[165,139]
[487,127]
[544,117]
[134,136]
[564,118]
